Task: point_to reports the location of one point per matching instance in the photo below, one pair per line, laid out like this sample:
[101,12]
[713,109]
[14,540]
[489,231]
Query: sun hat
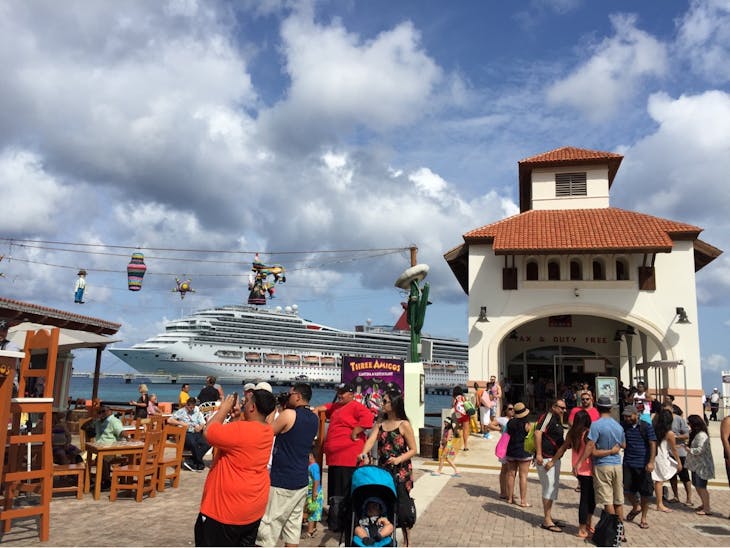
[520,410]
[604,401]
[264,386]
[630,410]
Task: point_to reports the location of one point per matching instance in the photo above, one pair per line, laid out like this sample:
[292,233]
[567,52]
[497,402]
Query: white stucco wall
[650,312]
[543,188]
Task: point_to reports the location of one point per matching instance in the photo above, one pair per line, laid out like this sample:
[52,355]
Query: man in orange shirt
[237,487]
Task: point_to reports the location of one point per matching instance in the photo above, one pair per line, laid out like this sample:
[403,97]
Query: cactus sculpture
[417,302]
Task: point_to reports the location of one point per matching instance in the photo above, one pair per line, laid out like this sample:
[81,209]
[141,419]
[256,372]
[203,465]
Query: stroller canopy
[367,476]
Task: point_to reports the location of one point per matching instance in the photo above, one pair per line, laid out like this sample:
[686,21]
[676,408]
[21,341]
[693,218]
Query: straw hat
[521,411]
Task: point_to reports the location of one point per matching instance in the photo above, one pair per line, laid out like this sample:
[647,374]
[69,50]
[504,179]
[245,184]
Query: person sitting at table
[152,408]
[108,430]
[64,452]
[191,417]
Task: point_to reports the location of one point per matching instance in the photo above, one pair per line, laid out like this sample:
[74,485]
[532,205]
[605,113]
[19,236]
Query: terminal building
[574,290]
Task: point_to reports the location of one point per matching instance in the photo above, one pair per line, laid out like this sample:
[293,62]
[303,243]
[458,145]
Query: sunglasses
[585,399]
[510,409]
[561,407]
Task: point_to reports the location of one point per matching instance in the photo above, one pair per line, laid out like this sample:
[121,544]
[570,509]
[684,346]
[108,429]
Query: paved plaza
[463,511]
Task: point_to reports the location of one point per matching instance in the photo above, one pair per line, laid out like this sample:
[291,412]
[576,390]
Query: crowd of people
[616,462]
[264,485]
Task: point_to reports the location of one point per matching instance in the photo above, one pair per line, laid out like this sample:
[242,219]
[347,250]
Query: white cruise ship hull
[248,344]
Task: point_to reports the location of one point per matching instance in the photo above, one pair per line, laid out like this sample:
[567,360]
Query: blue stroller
[371,484]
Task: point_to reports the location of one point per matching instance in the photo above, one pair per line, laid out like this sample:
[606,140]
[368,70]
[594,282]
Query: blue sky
[317,126]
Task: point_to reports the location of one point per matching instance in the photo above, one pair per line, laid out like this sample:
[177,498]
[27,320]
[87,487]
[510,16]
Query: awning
[69,339]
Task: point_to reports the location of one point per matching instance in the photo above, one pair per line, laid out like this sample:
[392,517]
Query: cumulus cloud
[599,86]
[714,362]
[340,81]
[704,39]
[33,194]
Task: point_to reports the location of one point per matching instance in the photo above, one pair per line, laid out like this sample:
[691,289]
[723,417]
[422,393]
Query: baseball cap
[345,387]
[630,410]
[249,386]
[264,386]
[604,401]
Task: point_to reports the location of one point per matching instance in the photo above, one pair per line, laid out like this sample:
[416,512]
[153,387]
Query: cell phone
[235,399]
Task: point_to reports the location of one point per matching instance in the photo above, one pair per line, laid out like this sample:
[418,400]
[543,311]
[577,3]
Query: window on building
[599,270]
[622,269]
[571,184]
[576,269]
[553,270]
[531,270]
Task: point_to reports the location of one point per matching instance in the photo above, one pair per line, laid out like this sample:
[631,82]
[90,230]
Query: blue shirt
[636,454]
[606,433]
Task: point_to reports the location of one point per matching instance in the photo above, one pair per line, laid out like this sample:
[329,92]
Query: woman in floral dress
[396,442]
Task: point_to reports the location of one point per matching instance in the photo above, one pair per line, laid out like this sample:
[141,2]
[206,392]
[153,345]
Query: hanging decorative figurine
[80,287]
[135,272]
[183,287]
[258,280]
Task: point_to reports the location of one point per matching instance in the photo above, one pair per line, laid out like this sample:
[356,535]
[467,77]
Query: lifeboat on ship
[273,357]
[328,360]
[253,356]
[291,358]
[311,359]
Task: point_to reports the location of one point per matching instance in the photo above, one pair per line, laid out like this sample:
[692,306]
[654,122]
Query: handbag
[609,530]
[530,438]
[406,507]
[500,451]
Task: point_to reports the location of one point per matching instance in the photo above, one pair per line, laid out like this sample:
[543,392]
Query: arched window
[599,270]
[531,270]
[553,269]
[622,269]
[576,269]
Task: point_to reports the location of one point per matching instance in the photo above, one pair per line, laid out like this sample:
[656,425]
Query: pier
[129,378]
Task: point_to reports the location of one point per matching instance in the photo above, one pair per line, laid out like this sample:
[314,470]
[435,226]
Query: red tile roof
[571,155]
[24,311]
[600,230]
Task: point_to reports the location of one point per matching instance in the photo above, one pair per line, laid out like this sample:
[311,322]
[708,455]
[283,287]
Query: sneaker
[189,466]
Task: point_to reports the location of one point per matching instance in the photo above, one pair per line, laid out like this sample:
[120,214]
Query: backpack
[469,408]
[337,514]
[608,530]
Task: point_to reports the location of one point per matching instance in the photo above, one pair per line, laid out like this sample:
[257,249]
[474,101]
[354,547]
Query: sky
[332,135]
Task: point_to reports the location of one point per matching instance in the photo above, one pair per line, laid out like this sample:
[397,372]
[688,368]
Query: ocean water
[116,390]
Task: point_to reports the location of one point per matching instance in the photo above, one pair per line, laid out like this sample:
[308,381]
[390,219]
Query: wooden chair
[140,476]
[171,456]
[66,470]
[83,438]
[157,422]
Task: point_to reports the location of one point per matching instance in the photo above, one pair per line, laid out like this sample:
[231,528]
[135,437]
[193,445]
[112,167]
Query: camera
[282,399]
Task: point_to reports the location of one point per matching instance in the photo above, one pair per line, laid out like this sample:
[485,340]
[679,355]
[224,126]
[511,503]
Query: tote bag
[500,451]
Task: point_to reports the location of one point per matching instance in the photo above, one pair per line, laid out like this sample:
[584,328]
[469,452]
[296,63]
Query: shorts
[698,482]
[684,473]
[608,484]
[283,516]
[463,419]
[549,480]
[638,480]
[484,414]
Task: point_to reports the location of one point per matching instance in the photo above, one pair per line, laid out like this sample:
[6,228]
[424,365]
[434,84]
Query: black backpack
[406,507]
[337,514]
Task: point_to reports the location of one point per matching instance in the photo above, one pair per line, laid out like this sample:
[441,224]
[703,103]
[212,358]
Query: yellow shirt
[183,397]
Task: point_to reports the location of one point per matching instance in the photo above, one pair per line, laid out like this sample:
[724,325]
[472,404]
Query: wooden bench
[65,470]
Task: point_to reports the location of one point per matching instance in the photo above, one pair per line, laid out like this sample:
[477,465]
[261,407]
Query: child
[450,440]
[373,526]
[315,499]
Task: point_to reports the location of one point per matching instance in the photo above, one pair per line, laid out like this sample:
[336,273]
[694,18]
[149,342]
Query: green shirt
[108,430]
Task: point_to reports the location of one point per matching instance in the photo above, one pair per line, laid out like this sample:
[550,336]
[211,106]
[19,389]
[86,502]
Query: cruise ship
[243,342]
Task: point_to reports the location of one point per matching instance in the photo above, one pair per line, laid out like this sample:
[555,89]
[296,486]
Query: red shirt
[592,413]
[237,487]
[338,445]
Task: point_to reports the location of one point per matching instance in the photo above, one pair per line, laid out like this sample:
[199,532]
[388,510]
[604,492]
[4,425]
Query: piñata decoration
[135,272]
[80,287]
[183,287]
[259,283]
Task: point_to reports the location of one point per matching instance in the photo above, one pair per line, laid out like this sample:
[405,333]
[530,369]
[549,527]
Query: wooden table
[115,449]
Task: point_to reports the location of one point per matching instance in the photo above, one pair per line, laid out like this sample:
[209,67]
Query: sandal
[643,525]
[552,528]
[674,500]
[632,514]
[703,513]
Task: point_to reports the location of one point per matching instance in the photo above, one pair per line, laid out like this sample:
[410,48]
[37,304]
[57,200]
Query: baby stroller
[370,482]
